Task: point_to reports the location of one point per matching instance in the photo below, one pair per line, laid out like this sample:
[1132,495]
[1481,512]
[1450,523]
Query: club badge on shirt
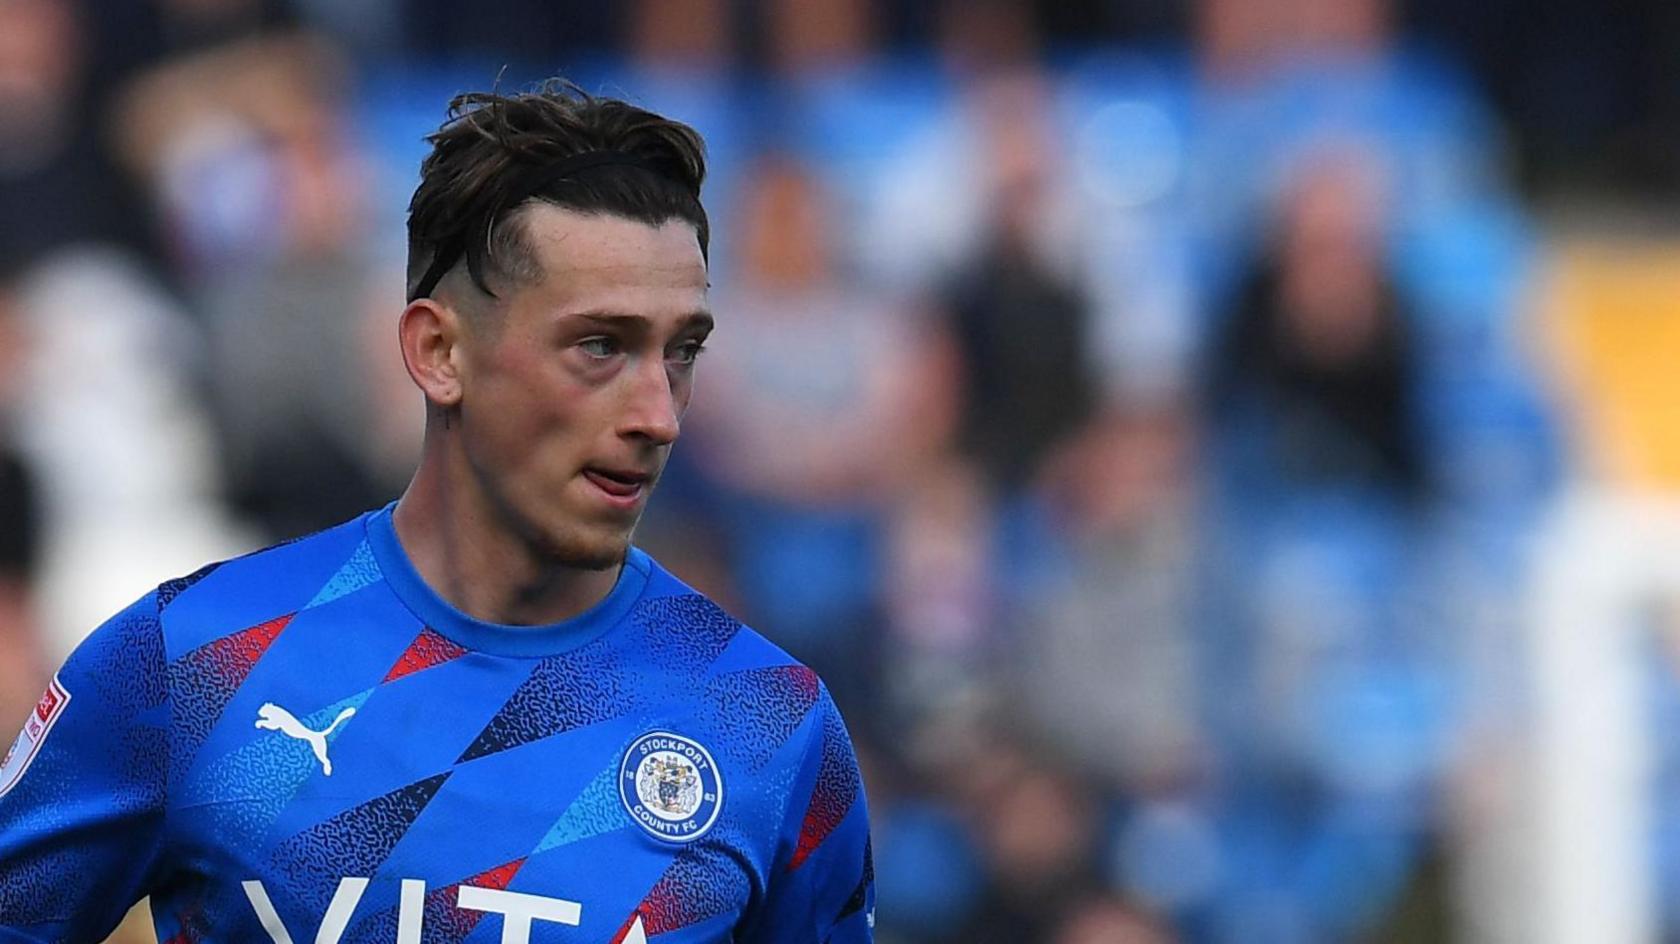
[671,786]
[35,729]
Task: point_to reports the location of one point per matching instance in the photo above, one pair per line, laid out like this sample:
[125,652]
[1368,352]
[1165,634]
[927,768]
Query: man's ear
[431,336]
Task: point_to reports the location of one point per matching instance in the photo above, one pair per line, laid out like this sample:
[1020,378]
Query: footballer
[480,713]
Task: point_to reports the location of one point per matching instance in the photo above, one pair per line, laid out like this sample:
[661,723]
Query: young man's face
[574,390]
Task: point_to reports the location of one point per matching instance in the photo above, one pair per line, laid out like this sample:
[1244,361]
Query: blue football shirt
[307,743]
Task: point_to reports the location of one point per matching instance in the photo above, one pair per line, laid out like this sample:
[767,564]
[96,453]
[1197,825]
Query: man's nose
[653,412]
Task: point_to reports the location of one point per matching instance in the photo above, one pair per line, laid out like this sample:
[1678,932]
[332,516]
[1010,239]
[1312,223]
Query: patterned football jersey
[308,743]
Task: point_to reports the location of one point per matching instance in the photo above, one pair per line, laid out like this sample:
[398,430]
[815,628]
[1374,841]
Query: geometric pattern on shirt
[203,681]
[361,570]
[684,634]
[354,842]
[835,791]
[281,765]
[860,894]
[170,589]
[755,711]
[563,692]
[595,811]
[443,921]
[429,649]
[701,882]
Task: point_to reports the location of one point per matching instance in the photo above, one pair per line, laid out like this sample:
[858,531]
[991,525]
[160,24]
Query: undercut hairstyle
[556,144]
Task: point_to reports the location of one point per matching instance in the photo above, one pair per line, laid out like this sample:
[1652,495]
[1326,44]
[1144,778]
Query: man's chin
[602,562]
[603,554]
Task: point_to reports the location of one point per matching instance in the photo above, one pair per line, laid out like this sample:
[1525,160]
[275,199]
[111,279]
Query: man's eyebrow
[700,319]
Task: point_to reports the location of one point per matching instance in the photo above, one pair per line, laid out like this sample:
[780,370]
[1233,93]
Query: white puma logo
[272,717]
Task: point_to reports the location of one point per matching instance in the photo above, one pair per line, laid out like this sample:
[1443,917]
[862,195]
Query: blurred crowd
[1138,435]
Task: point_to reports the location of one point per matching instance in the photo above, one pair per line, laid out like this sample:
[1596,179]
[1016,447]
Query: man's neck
[472,558]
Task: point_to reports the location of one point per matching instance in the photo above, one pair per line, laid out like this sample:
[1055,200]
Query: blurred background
[1221,453]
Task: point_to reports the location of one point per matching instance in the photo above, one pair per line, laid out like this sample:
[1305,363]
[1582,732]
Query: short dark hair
[557,144]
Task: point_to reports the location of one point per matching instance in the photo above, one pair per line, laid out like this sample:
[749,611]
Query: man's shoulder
[268,584]
[672,612]
[687,633]
[205,630]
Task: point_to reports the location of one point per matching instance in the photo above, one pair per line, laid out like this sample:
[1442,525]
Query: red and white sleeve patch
[35,729]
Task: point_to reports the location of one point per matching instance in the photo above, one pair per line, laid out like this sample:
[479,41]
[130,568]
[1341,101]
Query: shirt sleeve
[823,888]
[82,791]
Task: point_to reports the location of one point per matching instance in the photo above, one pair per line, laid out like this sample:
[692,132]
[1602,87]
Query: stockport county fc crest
[670,786]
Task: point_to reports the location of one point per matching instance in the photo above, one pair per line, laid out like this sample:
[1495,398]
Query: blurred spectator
[246,149]
[983,174]
[680,35]
[1038,826]
[58,185]
[817,36]
[90,304]
[980,39]
[1327,693]
[1079,528]
[1241,40]
[1104,654]
[1313,377]
[239,146]
[1020,326]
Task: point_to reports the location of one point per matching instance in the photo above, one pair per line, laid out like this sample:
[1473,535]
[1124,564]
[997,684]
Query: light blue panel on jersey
[596,811]
[361,570]
[243,793]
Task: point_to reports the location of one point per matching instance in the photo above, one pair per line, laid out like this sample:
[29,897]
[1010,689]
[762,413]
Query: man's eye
[687,353]
[599,347]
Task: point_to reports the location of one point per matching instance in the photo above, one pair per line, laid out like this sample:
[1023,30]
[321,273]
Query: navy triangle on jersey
[860,895]
[563,692]
[355,842]
[170,589]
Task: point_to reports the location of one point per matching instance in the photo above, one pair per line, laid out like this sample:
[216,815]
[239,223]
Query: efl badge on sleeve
[670,786]
[35,728]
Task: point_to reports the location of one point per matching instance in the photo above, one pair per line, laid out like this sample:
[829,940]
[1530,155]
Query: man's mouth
[619,483]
